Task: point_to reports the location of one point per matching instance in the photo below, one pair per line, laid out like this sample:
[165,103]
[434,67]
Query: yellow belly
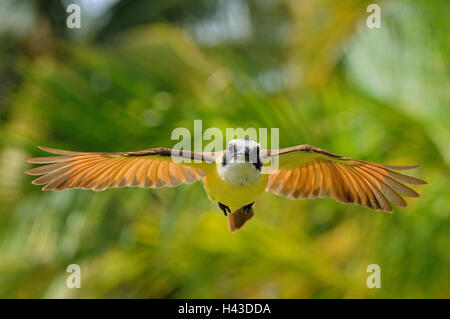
[233,196]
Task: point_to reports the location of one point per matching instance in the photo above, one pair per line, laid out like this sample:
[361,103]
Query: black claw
[224,208]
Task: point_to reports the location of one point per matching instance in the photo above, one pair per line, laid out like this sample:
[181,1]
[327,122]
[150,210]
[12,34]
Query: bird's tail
[239,218]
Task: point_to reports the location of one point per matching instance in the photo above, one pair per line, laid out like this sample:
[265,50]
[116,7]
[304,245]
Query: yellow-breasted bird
[233,177]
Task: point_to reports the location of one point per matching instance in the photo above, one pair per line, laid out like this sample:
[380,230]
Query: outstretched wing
[309,172]
[98,171]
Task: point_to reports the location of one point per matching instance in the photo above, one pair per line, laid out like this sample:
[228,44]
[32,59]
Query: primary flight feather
[233,178]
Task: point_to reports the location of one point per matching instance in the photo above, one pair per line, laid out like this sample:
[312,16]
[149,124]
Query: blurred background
[136,70]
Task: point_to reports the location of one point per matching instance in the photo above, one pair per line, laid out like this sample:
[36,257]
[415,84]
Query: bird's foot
[248,207]
[224,208]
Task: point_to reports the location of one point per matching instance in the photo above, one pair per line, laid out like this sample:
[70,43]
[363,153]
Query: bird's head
[242,150]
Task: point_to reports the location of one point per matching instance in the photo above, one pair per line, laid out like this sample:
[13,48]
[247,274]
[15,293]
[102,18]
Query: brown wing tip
[49,150]
[32,160]
[39,160]
[36,183]
[58,151]
[421,181]
[29,171]
[401,167]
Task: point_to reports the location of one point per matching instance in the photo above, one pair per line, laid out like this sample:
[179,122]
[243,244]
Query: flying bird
[233,177]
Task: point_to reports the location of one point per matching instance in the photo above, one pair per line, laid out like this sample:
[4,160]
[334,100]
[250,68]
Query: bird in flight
[233,177]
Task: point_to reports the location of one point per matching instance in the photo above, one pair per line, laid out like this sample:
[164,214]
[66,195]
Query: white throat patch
[242,174]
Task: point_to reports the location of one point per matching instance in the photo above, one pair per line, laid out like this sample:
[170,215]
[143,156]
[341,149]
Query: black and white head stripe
[245,149]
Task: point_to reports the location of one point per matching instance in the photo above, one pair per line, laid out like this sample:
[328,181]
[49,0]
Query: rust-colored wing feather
[99,171]
[309,172]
